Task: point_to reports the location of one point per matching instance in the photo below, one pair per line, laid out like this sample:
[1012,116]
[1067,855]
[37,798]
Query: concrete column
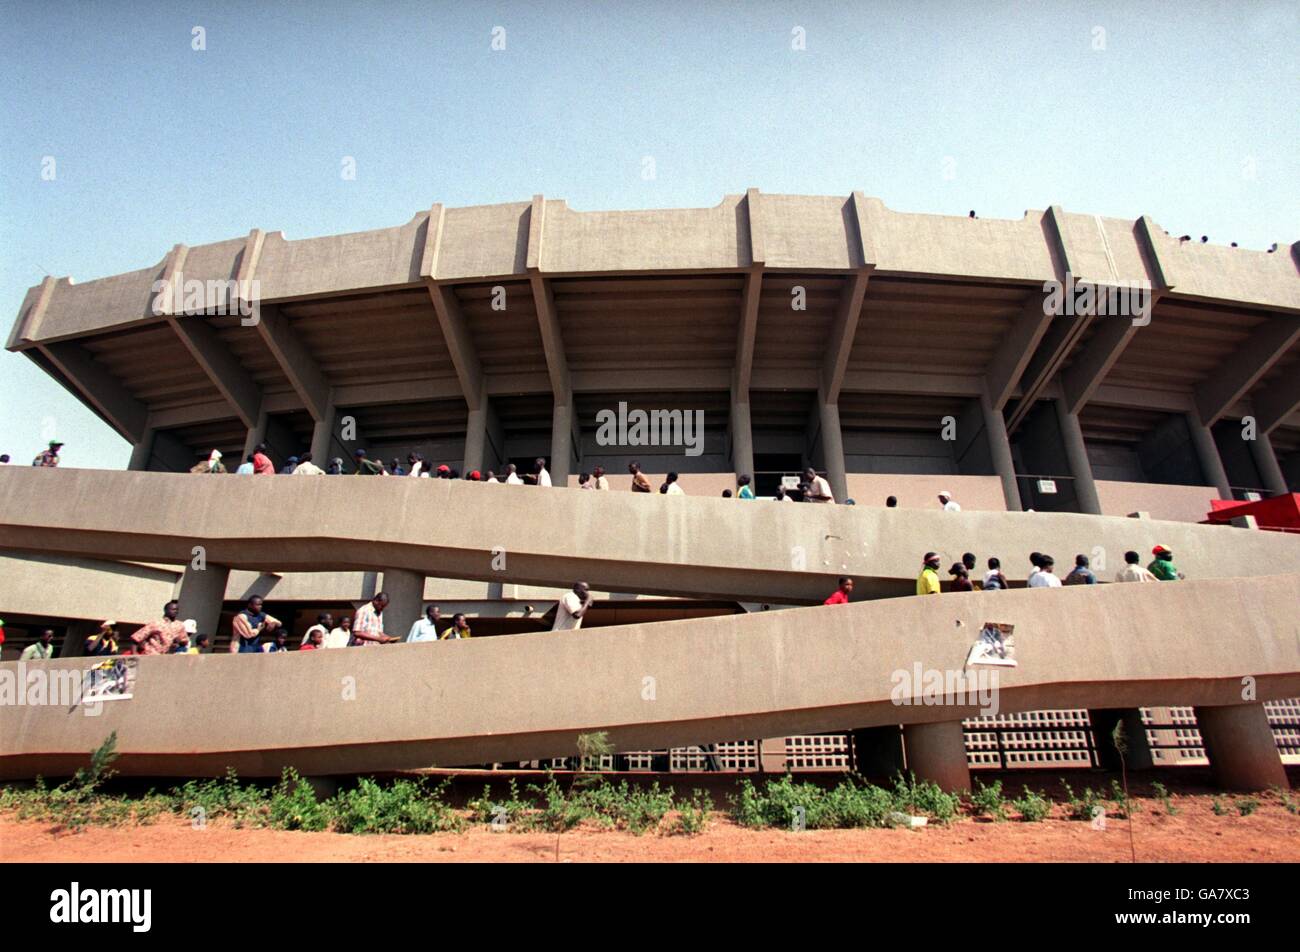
[878,751]
[405,600]
[201,593]
[1243,754]
[833,450]
[937,752]
[141,452]
[561,444]
[1076,452]
[476,438]
[1261,448]
[742,441]
[1207,454]
[995,427]
[1137,755]
[322,438]
[74,639]
[256,435]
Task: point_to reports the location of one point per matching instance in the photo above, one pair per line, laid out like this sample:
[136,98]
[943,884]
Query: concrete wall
[712,678]
[1175,503]
[973,493]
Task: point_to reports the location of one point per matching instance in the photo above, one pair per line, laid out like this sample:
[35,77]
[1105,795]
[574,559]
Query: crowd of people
[256,631]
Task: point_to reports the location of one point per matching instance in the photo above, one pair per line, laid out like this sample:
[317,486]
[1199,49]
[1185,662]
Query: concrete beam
[295,361]
[1276,402]
[845,327]
[1016,349]
[99,389]
[1207,454]
[995,429]
[1234,378]
[455,331]
[1076,451]
[1270,471]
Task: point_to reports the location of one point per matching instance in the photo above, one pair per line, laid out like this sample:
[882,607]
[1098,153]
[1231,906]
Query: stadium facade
[898,354]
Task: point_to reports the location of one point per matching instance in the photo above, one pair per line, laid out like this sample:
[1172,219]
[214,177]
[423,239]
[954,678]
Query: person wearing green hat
[50,457]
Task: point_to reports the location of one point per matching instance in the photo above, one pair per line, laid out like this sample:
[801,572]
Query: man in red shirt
[157,637]
[841,594]
[262,465]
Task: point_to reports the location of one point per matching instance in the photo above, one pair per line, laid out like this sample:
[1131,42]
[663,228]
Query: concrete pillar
[833,450]
[561,444]
[742,441]
[995,427]
[141,452]
[1207,454]
[74,639]
[1076,452]
[937,752]
[1137,754]
[1243,754]
[476,438]
[322,439]
[878,751]
[201,593]
[405,600]
[256,435]
[1261,448]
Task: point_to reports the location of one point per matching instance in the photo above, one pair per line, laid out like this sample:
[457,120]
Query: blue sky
[1187,112]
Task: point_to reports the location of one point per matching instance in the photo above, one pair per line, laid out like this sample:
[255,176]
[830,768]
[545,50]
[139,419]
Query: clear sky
[1183,111]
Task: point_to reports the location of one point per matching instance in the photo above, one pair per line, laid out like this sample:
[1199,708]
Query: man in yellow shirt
[459,628]
[927,583]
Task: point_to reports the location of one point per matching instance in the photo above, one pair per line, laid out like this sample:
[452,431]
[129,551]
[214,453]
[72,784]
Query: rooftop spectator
[746,490]
[841,594]
[306,467]
[202,645]
[336,467]
[540,475]
[994,579]
[289,466]
[512,475]
[49,458]
[395,467]
[246,467]
[368,625]
[443,471]
[279,642]
[249,626]
[781,495]
[968,560]
[212,464]
[584,481]
[426,627]
[157,637]
[598,478]
[818,489]
[42,650]
[324,622]
[726,494]
[415,465]
[960,578]
[1036,563]
[1081,574]
[262,465]
[572,608]
[1133,570]
[459,628]
[891,502]
[672,488]
[340,637]
[1162,566]
[315,639]
[949,504]
[491,477]
[639,483]
[927,583]
[4,459]
[1044,578]
[474,476]
[103,642]
[365,466]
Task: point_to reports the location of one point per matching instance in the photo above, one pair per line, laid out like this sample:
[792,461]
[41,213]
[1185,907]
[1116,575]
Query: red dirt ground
[1195,834]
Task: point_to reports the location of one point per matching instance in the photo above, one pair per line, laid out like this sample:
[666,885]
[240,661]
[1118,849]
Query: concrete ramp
[1205,642]
[699,547]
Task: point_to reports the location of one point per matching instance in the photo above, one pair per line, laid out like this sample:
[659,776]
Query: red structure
[1279,513]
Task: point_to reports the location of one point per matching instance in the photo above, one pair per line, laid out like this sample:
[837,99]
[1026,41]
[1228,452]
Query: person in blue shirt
[746,492]
[1081,574]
